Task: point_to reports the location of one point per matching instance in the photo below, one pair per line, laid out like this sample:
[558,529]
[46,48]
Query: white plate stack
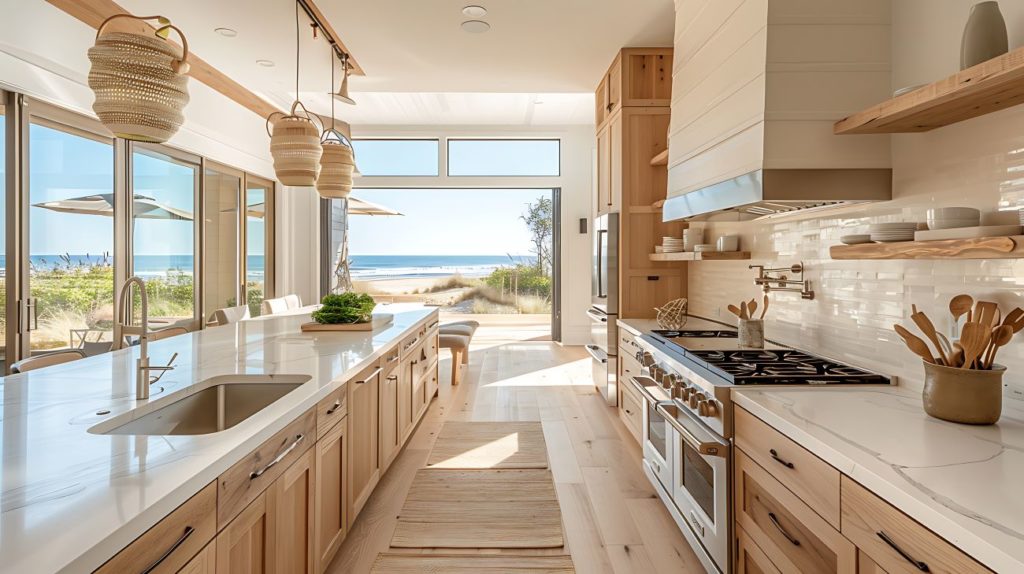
[891,232]
[671,244]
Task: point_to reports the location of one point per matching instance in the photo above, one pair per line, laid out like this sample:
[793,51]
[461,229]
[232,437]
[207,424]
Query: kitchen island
[72,499]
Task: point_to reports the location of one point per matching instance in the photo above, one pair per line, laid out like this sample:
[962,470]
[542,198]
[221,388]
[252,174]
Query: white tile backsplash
[976,163]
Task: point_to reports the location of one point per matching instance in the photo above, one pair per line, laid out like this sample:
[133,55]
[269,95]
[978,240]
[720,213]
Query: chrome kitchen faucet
[125,328]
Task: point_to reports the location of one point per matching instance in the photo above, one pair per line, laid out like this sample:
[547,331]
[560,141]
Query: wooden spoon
[764,308]
[915,343]
[743,310]
[751,307]
[735,310]
[925,324]
[956,357]
[974,339]
[1000,336]
[960,305]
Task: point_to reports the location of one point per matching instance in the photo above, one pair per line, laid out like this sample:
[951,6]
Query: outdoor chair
[40,361]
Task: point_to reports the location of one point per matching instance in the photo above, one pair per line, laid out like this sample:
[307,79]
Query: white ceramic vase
[984,35]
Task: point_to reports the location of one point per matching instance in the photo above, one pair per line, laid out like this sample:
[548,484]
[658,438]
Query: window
[3,231]
[222,190]
[259,238]
[163,233]
[397,157]
[509,157]
[71,237]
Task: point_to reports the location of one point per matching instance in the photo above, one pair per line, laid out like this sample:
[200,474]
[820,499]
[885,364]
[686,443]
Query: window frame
[448,155]
[269,232]
[440,159]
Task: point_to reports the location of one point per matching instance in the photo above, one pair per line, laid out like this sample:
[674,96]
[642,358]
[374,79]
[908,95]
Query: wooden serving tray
[379,320]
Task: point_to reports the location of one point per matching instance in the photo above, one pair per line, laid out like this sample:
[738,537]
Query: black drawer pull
[334,407]
[783,462]
[922,566]
[177,544]
[782,531]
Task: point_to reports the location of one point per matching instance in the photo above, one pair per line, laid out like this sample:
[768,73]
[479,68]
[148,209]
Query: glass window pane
[220,257]
[163,238]
[71,239]
[503,157]
[397,157]
[255,244]
[3,238]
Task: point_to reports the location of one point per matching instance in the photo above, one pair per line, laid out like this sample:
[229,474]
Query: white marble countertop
[963,482]
[69,500]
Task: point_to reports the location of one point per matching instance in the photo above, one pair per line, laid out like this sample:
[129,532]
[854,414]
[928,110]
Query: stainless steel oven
[700,480]
[656,436]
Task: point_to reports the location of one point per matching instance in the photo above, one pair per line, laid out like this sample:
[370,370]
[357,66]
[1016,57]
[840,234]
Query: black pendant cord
[332,87]
[297,43]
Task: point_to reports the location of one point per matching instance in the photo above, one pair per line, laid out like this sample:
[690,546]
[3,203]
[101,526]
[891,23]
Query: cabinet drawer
[419,397]
[249,477]
[813,480]
[330,410]
[632,414]
[750,559]
[171,543]
[792,535]
[894,540]
[630,369]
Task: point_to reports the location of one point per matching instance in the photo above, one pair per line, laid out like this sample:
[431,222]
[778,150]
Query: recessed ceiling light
[538,102]
[476,26]
[226,32]
[474,11]
[265,63]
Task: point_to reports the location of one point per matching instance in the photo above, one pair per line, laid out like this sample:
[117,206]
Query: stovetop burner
[695,334]
[781,367]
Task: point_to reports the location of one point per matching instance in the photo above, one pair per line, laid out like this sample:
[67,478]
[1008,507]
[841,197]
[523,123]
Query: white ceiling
[421,68]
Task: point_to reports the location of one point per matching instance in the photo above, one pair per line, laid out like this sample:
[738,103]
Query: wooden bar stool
[464,328]
[459,344]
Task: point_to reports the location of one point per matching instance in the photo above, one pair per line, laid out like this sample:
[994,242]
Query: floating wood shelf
[985,88]
[660,159]
[974,248]
[701,256]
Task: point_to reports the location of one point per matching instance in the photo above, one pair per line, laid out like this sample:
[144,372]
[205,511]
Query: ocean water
[376,267]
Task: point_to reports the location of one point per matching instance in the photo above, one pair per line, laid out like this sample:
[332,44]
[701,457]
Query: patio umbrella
[353,206]
[144,207]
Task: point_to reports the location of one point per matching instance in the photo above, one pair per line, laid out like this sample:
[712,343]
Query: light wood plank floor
[613,520]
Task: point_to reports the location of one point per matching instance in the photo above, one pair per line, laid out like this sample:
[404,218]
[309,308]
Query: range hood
[776,192]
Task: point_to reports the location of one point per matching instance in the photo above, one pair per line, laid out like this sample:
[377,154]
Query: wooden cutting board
[379,320]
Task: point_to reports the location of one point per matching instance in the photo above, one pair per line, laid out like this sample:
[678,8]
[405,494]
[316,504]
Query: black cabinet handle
[782,531]
[334,407]
[177,544]
[778,459]
[922,566]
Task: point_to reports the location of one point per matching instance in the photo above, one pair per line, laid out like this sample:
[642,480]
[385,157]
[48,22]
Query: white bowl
[704,247]
[855,239]
[952,223]
[894,227]
[953,213]
[729,243]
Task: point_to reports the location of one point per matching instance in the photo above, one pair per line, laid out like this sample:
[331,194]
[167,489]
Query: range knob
[646,359]
[695,399]
[708,408]
[684,391]
[656,373]
[639,355]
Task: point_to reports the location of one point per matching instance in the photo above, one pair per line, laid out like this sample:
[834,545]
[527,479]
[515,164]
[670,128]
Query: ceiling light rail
[320,21]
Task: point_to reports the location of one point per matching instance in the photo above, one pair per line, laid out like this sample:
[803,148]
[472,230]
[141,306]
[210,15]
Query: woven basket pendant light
[140,81]
[295,139]
[338,161]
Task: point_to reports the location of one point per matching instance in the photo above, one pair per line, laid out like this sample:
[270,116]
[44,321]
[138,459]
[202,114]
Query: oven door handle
[704,448]
[642,388]
[597,316]
[596,353]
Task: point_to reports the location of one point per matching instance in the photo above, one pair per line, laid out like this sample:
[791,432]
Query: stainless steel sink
[216,404]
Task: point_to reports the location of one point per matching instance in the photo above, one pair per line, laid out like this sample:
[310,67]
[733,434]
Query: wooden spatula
[1000,336]
[751,307]
[925,324]
[735,310]
[743,310]
[974,339]
[985,313]
[764,308]
[915,343]
[956,356]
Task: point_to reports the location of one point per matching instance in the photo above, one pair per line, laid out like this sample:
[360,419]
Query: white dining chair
[229,315]
[166,333]
[46,360]
[293,301]
[274,306]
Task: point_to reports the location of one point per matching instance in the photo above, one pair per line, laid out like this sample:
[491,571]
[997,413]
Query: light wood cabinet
[390,433]
[364,436]
[247,545]
[332,500]
[203,563]
[173,541]
[291,500]
[604,171]
[615,152]
[637,77]
[750,559]
[895,541]
[792,535]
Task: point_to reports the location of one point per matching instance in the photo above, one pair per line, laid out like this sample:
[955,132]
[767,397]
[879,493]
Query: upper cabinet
[638,77]
[758,84]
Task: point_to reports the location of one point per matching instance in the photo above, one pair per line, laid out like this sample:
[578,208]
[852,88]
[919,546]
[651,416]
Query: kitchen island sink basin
[215,404]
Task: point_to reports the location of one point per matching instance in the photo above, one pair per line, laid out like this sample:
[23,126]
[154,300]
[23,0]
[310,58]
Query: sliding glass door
[222,191]
[163,238]
[259,237]
[71,237]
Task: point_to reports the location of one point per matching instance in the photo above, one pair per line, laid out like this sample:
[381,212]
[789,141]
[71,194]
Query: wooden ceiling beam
[94,12]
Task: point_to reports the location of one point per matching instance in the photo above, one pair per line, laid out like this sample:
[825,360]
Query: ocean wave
[370,274]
